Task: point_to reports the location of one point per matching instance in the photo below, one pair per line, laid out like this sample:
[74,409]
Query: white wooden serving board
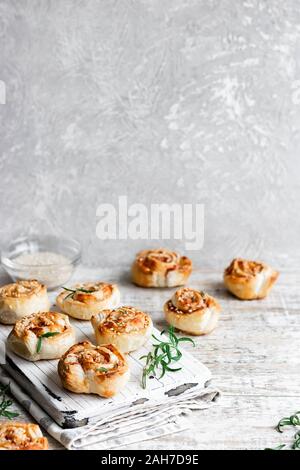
[40,379]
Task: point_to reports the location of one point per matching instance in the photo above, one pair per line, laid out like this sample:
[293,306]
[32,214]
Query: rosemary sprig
[45,335]
[163,354]
[102,369]
[296,443]
[293,420]
[5,404]
[73,292]
[281,446]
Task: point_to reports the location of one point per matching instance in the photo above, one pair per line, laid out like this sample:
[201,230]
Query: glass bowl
[49,259]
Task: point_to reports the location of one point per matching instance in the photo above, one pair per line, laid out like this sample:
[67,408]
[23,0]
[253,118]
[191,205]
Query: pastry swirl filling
[244,268]
[124,320]
[21,436]
[41,323]
[86,368]
[89,292]
[192,311]
[161,260]
[96,359]
[249,280]
[21,289]
[187,300]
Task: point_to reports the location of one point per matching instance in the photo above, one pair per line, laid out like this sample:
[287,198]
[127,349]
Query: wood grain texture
[253,355]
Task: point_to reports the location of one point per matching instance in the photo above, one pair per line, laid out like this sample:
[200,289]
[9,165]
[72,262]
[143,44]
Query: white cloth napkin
[123,427]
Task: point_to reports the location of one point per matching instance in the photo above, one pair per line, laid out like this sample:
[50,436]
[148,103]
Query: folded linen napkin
[124,426]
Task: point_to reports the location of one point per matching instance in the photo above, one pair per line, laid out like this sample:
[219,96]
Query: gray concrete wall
[159,100]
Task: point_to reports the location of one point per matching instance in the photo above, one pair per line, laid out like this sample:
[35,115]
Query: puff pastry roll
[160,268]
[22,298]
[249,280]
[192,311]
[86,368]
[126,327]
[21,436]
[86,299]
[44,335]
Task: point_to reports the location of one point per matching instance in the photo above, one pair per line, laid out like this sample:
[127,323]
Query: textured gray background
[159,100]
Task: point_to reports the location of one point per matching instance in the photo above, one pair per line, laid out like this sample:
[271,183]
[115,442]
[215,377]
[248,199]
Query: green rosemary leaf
[149,358]
[45,335]
[70,290]
[158,360]
[173,370]
[49,334]
[70,296]
[156,339]
[177,357]
[144,378]
[172,336]
[167,368]
[163,371]
[9,414]
[86,291]
[102,369]
[293,420]
[164,353]
[7,403]
[39,344]
[185,339]
[296,443]
[168,352]
[281,446]
[4,404]
[73,291]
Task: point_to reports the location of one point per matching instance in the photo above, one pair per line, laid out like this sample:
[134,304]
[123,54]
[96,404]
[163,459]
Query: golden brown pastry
[192,311]
[44,335]
[21,299]
[21,436]
[126,327]
[249,280]
[86,368]
[86,299]
[160,268]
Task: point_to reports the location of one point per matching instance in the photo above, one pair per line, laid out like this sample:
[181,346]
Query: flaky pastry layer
[86,368]
[249,280]
[126,327]
[21,436]
[160,268]
[192,311]
[88,298]
[22,298]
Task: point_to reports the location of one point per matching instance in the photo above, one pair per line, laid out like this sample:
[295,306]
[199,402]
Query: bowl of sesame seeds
[49,259]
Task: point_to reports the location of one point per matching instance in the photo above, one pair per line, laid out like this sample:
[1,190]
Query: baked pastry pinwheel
[126,327]
[192,311]
[44,335]
[86,368]
[160,268]
[21,436]
[22,298]
[249,280]
[86,299]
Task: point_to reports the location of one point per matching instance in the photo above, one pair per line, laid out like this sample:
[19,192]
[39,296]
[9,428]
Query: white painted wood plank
[253,355]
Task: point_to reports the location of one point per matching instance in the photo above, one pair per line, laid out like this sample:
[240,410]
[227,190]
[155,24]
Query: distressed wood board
[41,381]
[253,355]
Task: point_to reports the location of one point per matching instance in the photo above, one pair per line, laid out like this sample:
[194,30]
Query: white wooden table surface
[254,356]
